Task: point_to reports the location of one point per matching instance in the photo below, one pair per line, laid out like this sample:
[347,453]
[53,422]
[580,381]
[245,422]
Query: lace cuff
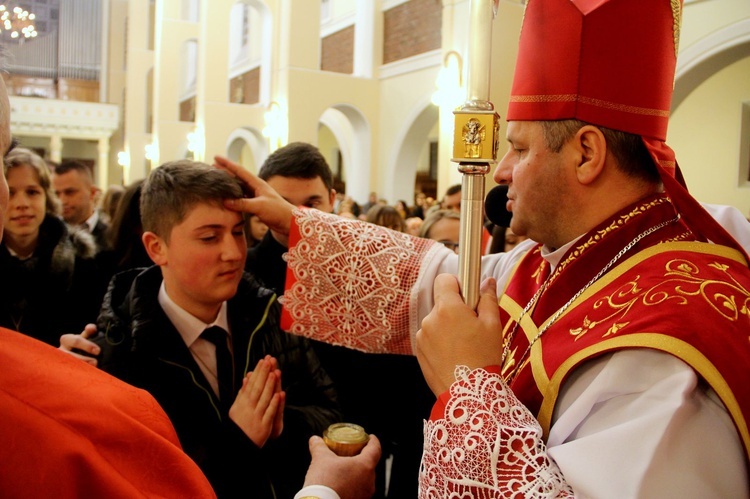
[487,444]
[350,282]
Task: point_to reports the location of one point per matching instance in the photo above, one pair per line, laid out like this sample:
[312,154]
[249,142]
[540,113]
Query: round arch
[708,56]
[251,138]
[401,170]
[352,132]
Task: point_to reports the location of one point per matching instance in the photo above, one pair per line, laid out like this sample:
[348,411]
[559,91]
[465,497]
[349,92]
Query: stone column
[55,148]
[102,165]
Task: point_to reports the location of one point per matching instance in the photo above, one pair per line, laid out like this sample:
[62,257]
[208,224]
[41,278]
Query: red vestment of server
[70,430]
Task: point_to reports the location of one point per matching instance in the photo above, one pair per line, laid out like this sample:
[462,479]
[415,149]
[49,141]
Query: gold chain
[561,310]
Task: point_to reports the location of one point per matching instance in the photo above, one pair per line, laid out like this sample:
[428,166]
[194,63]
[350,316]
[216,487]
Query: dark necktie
[224,368]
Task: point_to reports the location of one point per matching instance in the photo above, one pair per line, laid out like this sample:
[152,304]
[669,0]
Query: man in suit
[74,186]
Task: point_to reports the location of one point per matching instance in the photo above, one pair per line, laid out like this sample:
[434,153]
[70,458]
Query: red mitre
[609,63]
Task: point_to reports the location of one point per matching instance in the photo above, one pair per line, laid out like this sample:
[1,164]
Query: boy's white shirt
[190,328]
[204,353]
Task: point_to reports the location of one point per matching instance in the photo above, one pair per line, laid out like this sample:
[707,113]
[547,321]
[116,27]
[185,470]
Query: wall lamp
[449,82]
[123,159]
[275,125]
[152,153]
[196,143]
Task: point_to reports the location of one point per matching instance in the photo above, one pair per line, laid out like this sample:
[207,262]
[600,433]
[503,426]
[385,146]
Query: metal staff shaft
[470,239]
[475,143]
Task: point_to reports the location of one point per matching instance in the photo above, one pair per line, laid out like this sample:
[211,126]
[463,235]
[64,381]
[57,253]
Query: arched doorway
[413,164]
[350,153]
[248,147]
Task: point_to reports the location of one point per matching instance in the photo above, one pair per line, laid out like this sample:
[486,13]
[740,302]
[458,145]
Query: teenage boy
[192,328]
[301,175]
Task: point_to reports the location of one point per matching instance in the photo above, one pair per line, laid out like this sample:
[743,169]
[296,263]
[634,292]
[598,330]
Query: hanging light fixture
[17,23]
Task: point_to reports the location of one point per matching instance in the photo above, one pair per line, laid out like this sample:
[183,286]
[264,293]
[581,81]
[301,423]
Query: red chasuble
[70,430]
[666,292]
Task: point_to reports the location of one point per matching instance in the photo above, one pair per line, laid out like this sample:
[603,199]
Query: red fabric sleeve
[294,237]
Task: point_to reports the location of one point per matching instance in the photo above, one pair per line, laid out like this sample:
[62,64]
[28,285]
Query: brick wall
[245,88]
[412,28]
[187,109]
[337,51]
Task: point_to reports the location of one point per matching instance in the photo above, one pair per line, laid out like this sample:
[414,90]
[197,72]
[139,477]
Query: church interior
[126,85]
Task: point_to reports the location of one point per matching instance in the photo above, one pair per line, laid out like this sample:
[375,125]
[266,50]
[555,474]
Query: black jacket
[58,290]
[99,232]
[363,382]
[142,347]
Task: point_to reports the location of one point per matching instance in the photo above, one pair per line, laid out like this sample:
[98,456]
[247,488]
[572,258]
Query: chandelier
[17,22]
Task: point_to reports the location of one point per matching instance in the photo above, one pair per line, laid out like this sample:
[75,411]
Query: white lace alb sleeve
[362,286]
[486,445]
[352,283]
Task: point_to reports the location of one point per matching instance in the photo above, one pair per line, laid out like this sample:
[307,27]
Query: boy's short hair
[297,160]
[172,189]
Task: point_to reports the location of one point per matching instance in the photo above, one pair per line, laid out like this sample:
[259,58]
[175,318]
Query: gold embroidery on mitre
[615,106]
[682,282]
[544,98]
[676,23]
[523,17]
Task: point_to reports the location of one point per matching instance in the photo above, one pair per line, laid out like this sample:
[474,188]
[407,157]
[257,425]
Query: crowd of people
[612,364]
[107,280]
[81,261]
[419,218]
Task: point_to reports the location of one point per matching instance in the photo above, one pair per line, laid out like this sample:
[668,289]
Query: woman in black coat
[54,286]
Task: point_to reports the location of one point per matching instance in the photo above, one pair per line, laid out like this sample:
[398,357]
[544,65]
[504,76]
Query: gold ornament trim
[676,23]
[682,282]
[475,137]
[615,106]
[601,234]
[689,246]
[678,348]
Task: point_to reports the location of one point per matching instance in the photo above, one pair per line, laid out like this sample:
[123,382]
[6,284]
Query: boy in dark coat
[158,332]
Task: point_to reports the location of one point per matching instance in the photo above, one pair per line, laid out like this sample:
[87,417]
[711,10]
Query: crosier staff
[475,144]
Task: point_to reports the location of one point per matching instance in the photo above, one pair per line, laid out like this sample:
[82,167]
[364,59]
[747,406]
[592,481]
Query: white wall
[705,131]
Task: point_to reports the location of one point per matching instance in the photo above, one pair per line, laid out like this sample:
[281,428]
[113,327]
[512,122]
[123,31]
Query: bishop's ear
[591,147]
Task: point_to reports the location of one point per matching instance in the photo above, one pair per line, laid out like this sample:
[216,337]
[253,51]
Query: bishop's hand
[267,204]
[453,334]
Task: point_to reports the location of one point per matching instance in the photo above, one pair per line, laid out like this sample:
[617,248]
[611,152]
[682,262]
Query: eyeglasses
[451,245]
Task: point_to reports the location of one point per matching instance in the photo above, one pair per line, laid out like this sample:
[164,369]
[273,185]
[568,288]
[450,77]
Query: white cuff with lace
[487,445]
[316,492]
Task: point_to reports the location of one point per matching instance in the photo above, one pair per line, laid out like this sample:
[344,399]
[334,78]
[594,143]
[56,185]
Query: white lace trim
[487,446]
[353,282]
